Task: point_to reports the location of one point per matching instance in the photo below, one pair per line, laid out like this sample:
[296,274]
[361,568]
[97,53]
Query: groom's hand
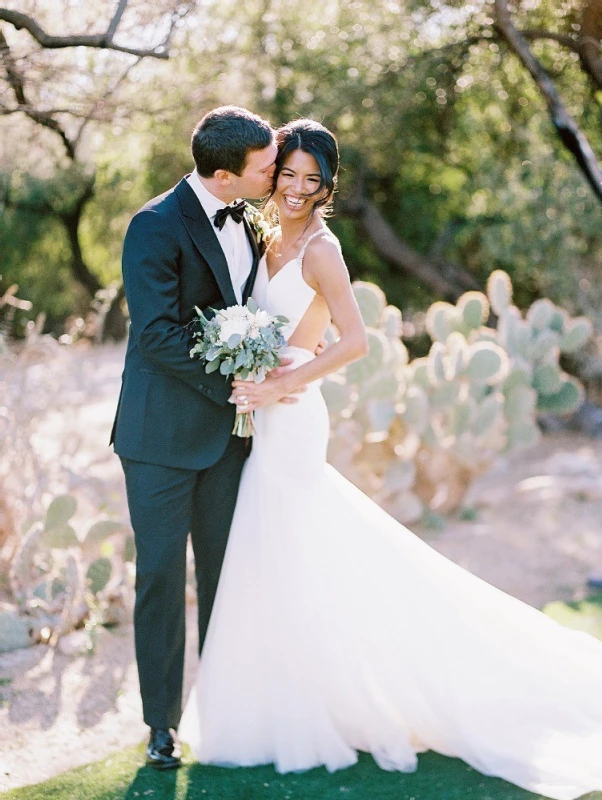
[281,370]
[321,346]
[278,371]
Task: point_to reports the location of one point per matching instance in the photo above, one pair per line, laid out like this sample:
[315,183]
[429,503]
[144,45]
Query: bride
[335,629]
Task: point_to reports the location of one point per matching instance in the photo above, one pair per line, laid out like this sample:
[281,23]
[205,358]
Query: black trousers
[167,504]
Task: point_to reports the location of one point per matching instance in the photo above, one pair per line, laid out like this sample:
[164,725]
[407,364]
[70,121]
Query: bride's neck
[295,230]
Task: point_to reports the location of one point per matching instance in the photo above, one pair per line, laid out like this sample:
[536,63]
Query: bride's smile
[298,187]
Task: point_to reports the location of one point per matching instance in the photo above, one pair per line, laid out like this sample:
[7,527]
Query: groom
[185,248]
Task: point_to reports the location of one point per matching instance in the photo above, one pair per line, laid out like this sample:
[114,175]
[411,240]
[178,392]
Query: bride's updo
[313,138]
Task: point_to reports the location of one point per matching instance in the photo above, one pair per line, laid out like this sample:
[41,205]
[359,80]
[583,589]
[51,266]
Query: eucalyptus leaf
[213,352]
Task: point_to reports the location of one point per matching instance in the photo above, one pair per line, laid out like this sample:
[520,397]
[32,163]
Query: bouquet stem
[243,425]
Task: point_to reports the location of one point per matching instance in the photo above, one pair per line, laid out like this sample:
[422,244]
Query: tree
[451,165]
[587,46]
[41,87]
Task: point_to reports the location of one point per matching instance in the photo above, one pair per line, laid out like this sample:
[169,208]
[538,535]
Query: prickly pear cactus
[65,573]
[415,434]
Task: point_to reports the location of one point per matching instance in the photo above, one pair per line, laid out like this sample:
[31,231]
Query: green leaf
[252,305]
[227,367]
[214,352]
[240,360]
[212,366]
[234,340]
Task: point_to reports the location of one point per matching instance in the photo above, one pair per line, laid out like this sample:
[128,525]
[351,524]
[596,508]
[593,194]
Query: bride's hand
[274,389]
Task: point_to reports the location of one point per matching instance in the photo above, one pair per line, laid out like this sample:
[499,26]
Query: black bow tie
[236,211]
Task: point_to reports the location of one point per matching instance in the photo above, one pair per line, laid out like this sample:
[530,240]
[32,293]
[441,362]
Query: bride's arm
[326,272]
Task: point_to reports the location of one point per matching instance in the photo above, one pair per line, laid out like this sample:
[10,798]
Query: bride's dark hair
[313,138]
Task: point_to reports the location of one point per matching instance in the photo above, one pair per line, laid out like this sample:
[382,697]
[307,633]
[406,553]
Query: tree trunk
[114,324]
[446,279]
[79,268]
[591,33]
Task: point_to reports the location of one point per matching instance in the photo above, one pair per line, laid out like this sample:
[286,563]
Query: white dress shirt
[232,237]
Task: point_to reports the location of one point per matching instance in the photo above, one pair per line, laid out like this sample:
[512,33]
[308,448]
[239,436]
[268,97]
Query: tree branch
[399,254]
[17,83]
[47,112]
[114,23]
[587,47]
[111,90]
[572,42]
[569,132]
[591,30]
[102,41]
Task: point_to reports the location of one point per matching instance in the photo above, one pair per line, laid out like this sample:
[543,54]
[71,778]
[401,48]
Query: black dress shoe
[163,751]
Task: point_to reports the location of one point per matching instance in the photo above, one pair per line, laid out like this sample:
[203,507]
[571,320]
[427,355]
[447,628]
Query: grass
[125,777]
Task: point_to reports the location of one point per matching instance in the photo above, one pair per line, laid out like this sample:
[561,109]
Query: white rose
[234,312]
[233,326]
[262,319]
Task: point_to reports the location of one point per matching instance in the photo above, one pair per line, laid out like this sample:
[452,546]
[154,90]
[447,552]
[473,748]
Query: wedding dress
[335,629]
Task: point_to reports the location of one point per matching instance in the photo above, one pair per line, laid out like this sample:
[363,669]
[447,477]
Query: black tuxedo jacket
[170,411]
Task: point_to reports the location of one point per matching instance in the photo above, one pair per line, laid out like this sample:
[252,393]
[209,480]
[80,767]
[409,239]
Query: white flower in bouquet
[241,341]
[235,312]
[233,327]
[261,319]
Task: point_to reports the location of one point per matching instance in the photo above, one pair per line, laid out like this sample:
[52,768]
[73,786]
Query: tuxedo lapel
[202,234]
[254,247]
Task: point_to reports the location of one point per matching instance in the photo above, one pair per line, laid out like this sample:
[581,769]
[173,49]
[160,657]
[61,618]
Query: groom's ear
[223,177]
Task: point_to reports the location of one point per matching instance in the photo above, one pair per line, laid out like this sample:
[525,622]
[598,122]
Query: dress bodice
[286,293]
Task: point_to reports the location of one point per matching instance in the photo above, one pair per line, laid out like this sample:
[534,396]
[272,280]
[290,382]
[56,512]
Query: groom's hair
[225,136]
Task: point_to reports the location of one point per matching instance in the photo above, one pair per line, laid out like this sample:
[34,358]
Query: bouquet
[242,341]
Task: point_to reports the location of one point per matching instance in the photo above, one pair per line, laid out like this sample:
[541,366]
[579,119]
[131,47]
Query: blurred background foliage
[443,134]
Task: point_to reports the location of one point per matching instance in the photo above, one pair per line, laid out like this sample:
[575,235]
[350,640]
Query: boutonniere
[259,224]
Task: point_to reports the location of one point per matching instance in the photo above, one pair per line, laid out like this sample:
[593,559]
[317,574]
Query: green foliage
[452,143]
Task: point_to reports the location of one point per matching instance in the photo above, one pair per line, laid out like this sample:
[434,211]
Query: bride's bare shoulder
[324,247]
[323,260]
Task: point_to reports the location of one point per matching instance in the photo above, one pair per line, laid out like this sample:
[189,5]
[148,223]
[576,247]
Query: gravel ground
[537,535]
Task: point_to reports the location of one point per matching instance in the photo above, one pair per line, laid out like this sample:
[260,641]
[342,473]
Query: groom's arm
[151,254]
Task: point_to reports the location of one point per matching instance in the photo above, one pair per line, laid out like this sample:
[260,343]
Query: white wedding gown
[335,629]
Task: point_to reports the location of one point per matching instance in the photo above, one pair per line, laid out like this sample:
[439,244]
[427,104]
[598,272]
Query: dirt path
[537,535]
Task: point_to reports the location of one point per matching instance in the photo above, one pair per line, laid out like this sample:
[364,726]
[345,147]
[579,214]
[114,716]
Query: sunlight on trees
[445,137]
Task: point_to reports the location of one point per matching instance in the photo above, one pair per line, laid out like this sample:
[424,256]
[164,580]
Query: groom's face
[256,178]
